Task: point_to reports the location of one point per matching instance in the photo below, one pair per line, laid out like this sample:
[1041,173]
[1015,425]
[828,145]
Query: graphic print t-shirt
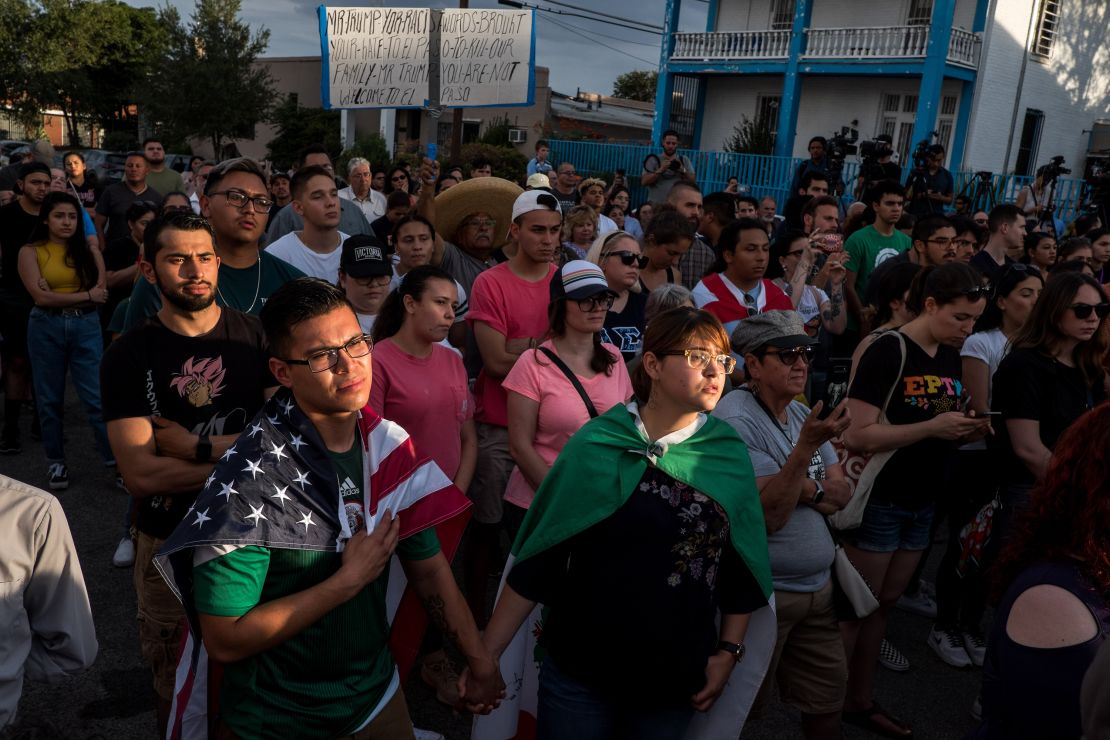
[625,328]
[927,387]
[210,384]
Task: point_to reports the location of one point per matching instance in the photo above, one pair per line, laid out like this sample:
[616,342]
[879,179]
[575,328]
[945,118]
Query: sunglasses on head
[629,258]
[1083,310]
[972,294]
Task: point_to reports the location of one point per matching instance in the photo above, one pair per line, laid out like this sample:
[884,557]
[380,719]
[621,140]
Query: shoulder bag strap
[572,378]
[898,377]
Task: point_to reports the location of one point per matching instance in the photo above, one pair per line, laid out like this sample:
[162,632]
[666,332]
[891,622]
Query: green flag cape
[602,464]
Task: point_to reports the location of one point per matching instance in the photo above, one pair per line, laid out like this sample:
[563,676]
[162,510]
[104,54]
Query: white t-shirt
[990,347]
[314,264]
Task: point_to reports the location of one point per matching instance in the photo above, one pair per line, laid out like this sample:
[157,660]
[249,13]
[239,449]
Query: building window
[782,15]
[767,113]
[1030,142]
[948,105]
[920,13]
[909,104]
[890,105]
[470,131]
[1047,26]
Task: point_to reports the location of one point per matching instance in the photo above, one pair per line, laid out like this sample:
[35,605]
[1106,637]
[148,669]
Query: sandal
[877,720]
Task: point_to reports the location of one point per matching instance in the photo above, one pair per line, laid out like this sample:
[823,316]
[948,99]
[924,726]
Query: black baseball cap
[365,256]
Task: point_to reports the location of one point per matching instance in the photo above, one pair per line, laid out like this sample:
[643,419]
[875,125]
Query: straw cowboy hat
[491,195]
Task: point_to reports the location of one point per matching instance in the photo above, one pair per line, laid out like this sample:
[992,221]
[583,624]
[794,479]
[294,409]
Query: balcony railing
[731,45]
[866,43]
[963,48]
[887,42]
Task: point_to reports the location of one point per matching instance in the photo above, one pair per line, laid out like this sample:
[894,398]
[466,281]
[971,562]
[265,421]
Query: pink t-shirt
[514,307]
[428,396]
[562,411]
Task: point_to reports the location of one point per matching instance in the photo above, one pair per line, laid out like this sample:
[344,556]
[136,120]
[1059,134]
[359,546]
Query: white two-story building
[1005,84]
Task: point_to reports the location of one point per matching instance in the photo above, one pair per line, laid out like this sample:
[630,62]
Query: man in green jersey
[872,245]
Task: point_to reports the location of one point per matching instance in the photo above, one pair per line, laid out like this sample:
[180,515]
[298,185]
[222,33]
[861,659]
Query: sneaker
[425,734]
[927,588]
[125,553]
[891,659]
[949,647]
[975,646]
[10,446]
[59,477]
[920,604]
[976,710]
[439,674]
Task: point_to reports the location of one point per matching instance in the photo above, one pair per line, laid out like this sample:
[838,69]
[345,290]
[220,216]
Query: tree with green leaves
[751,137]
[208,83]
[298,126]
[636,85]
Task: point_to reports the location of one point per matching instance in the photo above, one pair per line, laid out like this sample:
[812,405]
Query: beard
[192,304]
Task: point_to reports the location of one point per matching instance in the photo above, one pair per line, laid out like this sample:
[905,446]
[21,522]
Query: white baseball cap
[535,200]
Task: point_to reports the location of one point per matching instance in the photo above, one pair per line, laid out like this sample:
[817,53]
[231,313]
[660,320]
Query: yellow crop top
[52,264]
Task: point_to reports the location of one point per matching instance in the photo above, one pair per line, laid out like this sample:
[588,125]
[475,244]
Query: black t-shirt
[16,226]
[86,192]
[940,182]
[792,211]
[642,626]
[1031,385]
[988,268]
[211,384]
[118,255]
[625,329]
[928,386]
[383,229]
[114,202]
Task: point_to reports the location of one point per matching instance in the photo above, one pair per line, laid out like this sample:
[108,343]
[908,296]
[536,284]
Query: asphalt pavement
[114,700]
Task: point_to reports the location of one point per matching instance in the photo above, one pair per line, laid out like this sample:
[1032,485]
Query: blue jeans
[57,343]
[569,709]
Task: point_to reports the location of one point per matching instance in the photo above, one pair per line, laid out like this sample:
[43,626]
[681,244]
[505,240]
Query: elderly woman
[799,481]
[579,230]
[619,257]
[646,529]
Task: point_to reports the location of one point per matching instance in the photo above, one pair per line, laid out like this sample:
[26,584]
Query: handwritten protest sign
[392,57]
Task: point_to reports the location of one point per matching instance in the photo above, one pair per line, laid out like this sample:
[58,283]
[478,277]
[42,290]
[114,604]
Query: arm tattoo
[836,304]
[787,288]
[437,613]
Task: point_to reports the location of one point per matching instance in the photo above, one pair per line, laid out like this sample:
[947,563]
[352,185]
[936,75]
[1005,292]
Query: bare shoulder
[1047,616]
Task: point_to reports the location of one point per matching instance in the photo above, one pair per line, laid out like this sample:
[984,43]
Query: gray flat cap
[781,329]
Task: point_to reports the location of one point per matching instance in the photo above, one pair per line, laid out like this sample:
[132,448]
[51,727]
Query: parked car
[8,146]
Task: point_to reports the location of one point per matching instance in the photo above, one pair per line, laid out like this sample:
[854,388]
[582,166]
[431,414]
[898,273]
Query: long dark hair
[392,314]
[779,249]
[602,360]
[1010,279]
[389,187]
[1042,330]
[78,254]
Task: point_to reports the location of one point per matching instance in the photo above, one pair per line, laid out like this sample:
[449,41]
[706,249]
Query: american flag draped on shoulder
[276,487]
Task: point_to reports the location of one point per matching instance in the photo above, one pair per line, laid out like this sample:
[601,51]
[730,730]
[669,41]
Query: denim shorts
[887,527]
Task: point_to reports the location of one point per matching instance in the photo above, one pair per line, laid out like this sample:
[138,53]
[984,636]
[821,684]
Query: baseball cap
[779,329]
[364,256]
[534,200]
[537,181]
[578,279]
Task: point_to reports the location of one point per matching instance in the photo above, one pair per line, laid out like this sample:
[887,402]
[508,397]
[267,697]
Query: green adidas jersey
[325,681]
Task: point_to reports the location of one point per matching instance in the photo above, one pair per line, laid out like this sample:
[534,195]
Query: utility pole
[457,118]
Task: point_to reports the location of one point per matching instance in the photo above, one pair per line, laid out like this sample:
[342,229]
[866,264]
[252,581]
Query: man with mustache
[177,391]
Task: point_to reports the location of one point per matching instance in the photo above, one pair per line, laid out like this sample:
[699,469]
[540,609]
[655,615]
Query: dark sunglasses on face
[1083,310]
[790,357]
[629,258]
[594,302]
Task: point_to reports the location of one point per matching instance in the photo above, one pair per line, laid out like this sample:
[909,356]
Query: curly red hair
[1069,514]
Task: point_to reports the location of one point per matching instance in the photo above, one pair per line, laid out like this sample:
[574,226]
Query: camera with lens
[874,150]
[837,149]
[675,165]
[1054,169]
[921,155]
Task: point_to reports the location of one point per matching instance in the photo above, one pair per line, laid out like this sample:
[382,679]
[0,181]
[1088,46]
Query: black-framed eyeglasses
[628,258]
[595,302]
[1083,310]
[326,359]
[239,199]
[699,359]
[790,357]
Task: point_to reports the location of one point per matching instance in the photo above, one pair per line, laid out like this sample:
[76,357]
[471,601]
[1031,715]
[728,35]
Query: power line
[602,42]
[623,41]
[517,4]
[652,26]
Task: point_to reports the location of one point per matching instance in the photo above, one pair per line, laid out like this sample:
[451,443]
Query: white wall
[1072,88]
[729,98]
[743,15]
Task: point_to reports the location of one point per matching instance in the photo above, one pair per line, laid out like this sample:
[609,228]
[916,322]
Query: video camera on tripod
[837,148]
[1054,169]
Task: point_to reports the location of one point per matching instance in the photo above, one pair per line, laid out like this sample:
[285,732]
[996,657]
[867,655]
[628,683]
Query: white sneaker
[426,734]
[920,603]
[949,647]
[125,554]
[975,646]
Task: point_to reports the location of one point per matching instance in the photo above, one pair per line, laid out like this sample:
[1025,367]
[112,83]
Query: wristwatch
[204,449]
[818,494]
[736,650]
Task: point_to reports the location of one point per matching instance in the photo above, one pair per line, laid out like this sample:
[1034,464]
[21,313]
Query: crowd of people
[697,449]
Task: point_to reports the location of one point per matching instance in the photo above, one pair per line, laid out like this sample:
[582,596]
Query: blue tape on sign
[325,75]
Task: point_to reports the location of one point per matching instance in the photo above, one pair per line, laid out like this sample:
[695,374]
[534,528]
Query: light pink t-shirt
[428,396]
[514,307]
[562,411]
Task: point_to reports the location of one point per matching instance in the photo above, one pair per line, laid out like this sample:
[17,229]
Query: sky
[580,53]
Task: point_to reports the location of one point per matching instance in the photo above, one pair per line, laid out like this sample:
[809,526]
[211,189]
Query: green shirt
[165,182]
[866,249]
[244,289]
[326,680]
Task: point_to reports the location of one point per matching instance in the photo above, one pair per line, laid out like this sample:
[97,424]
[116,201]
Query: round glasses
[699,359]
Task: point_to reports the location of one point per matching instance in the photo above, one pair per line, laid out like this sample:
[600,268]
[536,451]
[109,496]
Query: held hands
[366,555]
[717,670]
[98,295]
[481,687]
[816,432]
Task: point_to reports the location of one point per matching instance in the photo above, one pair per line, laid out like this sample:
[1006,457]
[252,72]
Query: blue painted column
[664,88]
[792,81]
[932,79]
[959,134]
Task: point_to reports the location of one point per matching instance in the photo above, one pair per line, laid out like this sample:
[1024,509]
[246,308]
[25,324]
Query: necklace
[257,288]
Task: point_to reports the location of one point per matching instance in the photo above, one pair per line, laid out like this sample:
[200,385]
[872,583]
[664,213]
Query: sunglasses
[628,258]
[594,302]
[790,357]
[1083,310]
[972,294]
[1021,267]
